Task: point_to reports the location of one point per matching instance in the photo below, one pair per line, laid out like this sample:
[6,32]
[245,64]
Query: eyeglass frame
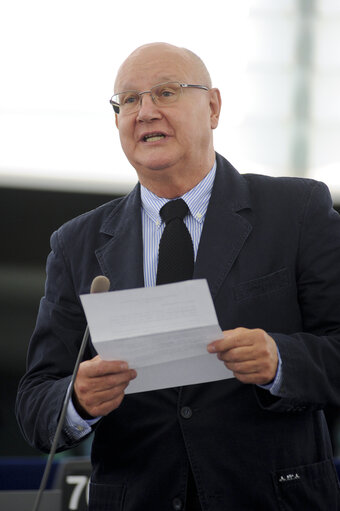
[116,106]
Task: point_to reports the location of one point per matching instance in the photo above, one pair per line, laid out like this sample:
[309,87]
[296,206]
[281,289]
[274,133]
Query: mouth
[153,137]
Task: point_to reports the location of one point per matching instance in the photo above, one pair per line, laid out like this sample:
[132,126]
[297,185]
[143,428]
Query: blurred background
[277,64]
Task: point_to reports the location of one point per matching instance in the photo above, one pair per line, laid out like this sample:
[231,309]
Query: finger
[105,382]
[103,408]
[234,355]
[110,381]
[249,367]
[93,401]
[259,372]
[107,407]
[231,339]
[98,367]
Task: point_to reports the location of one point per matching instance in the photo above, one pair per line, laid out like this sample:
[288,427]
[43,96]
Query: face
[184,146]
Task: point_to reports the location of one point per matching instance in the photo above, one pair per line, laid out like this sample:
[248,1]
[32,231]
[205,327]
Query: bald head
[193,65]
[201,68]
[169,145]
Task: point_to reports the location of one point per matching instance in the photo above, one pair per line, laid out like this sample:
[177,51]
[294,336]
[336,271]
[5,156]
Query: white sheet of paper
[161,331]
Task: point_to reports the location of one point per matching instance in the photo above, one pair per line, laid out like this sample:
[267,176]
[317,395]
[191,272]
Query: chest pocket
[270,283]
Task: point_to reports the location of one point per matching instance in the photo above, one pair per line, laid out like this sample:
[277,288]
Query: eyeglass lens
[162,94]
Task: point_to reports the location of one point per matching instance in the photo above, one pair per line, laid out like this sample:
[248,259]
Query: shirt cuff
[79,427]
[275,385]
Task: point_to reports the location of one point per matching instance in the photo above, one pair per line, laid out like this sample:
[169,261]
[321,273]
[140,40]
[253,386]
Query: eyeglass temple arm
[185,85]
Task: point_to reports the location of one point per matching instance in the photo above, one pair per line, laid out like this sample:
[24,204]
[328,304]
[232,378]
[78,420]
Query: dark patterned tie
[176,252]
[176,263]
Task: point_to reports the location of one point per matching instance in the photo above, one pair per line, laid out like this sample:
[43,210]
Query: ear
[215,107]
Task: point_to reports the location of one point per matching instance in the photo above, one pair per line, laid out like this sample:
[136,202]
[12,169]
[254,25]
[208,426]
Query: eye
[166,92]
[129,99]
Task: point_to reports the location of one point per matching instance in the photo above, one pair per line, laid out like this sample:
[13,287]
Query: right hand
[99,386]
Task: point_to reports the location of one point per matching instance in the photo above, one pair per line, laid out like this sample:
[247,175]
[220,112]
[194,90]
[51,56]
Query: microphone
[99,284]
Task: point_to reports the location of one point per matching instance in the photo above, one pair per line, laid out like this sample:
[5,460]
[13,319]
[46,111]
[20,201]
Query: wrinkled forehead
[152,65]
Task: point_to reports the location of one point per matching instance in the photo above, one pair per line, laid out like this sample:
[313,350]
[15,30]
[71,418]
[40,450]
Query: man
[270,250]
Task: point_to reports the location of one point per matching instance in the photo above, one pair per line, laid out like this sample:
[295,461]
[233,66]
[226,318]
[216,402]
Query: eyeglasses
[162,94]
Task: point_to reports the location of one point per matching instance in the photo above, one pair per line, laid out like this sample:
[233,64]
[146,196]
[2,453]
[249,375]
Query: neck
[171,185]
[170,190]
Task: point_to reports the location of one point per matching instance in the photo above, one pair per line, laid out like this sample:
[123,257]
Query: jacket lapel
[224,234]
[225,229]
[121,258]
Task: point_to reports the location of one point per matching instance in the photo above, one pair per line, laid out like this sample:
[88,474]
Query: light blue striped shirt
[197,200]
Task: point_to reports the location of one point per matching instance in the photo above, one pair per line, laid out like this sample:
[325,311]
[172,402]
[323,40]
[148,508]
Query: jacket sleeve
[311,359]
[52,354]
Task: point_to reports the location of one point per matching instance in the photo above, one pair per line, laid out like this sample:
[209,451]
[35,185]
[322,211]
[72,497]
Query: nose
[148,110]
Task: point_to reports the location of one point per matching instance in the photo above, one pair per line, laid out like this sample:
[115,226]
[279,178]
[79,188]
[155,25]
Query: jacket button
[177,504]
[186,412]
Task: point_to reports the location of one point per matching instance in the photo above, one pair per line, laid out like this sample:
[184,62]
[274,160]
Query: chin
[154,164]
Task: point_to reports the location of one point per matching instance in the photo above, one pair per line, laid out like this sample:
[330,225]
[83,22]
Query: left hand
[250,354]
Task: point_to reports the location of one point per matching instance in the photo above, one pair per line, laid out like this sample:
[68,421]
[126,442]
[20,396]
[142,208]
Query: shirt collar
[197,199]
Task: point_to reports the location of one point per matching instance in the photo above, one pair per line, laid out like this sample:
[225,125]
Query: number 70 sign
[79,492]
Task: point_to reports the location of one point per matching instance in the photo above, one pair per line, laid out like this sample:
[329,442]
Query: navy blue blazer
[270,250]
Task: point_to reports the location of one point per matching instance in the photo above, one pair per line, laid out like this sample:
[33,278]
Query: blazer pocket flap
[314,487]
[263,285]
[106,497]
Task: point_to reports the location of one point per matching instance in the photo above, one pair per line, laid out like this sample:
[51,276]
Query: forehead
[147,67]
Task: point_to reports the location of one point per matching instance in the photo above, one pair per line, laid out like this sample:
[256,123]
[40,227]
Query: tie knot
[173,209]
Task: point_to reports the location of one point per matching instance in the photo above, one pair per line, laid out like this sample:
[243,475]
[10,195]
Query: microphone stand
[100,284]
[61,421]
